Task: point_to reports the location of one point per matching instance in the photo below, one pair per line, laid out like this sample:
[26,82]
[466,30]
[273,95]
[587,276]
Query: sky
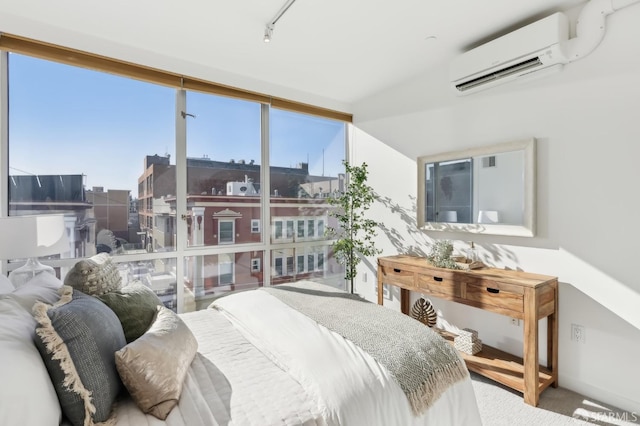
[69,120]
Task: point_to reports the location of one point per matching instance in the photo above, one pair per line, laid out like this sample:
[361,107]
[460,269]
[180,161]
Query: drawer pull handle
[396,270]
[493,290]
[437,279]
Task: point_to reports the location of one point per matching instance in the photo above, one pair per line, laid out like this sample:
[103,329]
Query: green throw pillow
[135,306]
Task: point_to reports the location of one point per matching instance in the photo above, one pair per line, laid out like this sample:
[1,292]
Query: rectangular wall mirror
[485,190]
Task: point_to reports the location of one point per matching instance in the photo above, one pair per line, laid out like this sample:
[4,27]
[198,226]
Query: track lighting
[268,30]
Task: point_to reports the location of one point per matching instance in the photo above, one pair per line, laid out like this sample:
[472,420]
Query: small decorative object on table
[465,263]
[467,341]
[424,312]
[470,261]
[440,255]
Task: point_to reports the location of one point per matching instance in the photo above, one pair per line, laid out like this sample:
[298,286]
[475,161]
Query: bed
[263,357]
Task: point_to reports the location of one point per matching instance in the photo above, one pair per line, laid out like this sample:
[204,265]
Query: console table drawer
[438,285]
[495,295]
[398,276]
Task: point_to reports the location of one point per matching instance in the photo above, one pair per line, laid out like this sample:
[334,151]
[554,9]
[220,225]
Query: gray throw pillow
[135,305]
[77,339]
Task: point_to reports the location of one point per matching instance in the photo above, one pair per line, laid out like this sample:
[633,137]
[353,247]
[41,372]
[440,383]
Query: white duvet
[350,387]
[263,363]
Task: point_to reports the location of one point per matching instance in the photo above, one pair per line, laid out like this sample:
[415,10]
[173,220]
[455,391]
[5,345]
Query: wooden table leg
[530,351]
[380,286]
[552,341]
[405,298]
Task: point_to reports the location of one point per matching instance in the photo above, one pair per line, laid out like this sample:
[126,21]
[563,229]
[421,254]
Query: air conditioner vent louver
[528,52]
[518,68]
[489,161]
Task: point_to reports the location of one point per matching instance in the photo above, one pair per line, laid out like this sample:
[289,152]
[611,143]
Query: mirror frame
[527,229]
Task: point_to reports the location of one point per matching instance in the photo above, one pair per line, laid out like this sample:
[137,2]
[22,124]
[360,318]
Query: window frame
[233,231]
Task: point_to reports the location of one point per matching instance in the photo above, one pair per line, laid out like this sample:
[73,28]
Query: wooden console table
[521,295]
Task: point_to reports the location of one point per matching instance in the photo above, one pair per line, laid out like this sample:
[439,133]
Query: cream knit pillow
[95,276]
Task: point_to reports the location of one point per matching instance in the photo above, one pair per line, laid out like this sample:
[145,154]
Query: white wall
[587,123]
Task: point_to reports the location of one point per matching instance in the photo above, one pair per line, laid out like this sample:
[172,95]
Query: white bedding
[263,363]
[350,387]
[230,383]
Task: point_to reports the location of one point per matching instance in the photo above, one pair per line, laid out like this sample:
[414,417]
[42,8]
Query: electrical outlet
[578,334]
[515,321]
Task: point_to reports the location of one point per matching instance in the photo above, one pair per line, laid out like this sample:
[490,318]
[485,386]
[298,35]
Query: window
[278,230]
[320,261]
[226,231]
[90,157]
[225,269]
[138,204]
[320,227]
[310,262]
[223,178]
[255,265]
[290,265]
[289,229]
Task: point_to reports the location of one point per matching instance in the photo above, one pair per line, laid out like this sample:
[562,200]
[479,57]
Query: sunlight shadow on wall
[414,241]
[417,242]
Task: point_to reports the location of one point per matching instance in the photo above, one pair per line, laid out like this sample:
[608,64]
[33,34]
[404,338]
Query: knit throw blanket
[421,361]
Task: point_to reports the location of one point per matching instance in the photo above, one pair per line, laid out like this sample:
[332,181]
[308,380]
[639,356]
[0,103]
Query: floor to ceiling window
[306,169]
[175,184]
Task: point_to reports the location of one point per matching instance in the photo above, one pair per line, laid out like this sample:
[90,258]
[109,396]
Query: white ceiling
[332,51]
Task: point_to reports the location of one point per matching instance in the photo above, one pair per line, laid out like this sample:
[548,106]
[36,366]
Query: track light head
[268,32]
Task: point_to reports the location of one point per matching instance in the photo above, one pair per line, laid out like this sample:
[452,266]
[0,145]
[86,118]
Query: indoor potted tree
[354,233]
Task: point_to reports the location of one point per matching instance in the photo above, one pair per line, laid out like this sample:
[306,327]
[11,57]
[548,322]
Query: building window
[289,229]
[300,263]
[320,261]
[277,229]
[320,228]
[255,226]
[310,262]
[278,266]
[300,228]
[225,270]
[255,265]
[290,265]
[311,228]
[226,231]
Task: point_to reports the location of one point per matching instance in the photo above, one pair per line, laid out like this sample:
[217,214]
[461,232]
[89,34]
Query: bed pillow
[153,367]
[27,396]
[77,338]
[5,285]
[135,305]
[44,287]
[95,275]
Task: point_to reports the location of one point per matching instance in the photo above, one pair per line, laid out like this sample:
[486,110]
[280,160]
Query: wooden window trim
[65,55]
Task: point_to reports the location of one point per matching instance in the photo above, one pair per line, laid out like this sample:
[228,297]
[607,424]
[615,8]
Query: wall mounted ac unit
[531,51]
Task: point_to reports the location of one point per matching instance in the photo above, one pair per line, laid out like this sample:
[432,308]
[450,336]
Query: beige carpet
[501,406]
